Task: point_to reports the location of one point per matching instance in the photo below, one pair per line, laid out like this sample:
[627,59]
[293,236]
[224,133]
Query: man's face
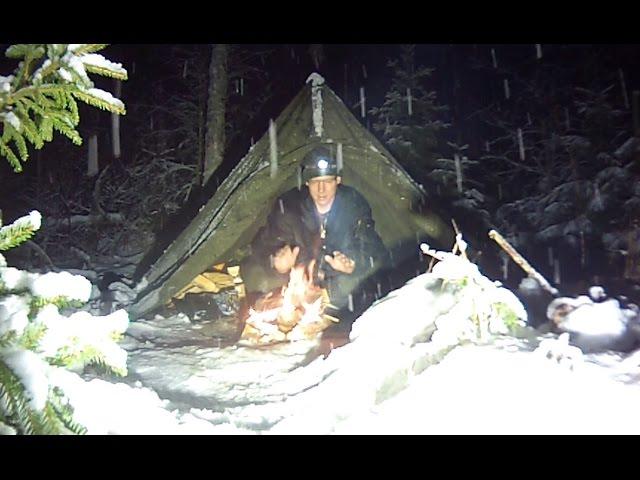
[323,191]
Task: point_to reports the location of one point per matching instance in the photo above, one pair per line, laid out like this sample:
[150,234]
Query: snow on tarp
[316,102]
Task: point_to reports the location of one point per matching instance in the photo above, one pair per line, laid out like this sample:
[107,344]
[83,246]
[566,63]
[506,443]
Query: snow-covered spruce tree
[557,155]
[455,181]
[38,343]
[40,96]
[575,179]
[410,120]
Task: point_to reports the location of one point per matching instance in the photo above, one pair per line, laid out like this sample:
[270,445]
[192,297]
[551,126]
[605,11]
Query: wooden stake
[522,262]
[455,248]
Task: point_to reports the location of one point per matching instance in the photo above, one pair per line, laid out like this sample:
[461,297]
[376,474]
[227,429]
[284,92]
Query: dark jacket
[294,221]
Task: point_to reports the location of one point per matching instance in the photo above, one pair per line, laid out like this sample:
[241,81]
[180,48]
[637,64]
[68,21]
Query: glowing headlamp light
[323,164]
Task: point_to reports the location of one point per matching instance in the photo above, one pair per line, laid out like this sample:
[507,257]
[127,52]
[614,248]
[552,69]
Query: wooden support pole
[522,262]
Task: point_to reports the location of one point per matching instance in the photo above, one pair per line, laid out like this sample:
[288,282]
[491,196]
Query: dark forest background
[537,141]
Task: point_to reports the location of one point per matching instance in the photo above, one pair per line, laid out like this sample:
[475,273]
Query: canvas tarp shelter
[240,206]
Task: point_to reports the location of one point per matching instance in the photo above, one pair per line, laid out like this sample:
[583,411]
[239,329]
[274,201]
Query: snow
[106,96]
[81,330]
[108,408]
[13,314]
[33,220]
[6,430]
[581,319]
[65,74]
[54,284]
[32,371]
[5,83]
[14,279]
[414,365]
[55,336]
[560,351]
[13,120]
[37,75]
[315,79]
[96,60]
[75,63]
[316,103]
[273,149]
[480,389]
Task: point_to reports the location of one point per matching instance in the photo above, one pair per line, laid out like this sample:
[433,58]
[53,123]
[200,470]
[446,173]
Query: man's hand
[285,258]
[340,262]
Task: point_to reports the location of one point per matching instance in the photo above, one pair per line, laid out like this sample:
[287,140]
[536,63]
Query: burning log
[296,313]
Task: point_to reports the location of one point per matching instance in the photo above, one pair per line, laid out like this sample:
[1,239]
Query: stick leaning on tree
[522,262]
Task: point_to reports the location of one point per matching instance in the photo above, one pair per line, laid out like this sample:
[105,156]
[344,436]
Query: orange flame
[297,313]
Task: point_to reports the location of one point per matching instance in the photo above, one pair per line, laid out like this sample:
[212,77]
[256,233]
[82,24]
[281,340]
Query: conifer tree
[410,120]
[37,341]
[41,95]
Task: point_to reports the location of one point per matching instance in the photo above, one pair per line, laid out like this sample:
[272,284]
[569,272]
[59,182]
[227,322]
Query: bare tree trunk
[92,156]
[115,123]
[216,110]
[202,124]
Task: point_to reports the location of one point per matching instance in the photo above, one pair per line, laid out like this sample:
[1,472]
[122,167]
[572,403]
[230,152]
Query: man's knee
[257,278]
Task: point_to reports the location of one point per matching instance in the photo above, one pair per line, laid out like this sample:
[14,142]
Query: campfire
[296,313]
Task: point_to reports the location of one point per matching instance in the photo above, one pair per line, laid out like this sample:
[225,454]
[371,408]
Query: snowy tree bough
[40,96]
[37,341]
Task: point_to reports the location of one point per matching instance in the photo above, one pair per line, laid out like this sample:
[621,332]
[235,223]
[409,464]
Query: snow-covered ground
[394,377]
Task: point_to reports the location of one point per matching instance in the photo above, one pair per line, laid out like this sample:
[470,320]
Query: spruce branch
[40,96]
[89,48]
[13,235]
[13,398]
[107,102]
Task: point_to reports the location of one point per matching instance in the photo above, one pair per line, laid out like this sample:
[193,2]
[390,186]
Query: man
[327,222]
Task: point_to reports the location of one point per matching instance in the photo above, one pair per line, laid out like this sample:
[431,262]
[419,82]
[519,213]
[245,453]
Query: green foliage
[31,336]
[60,413]
[37,303]
[412,135]
[41,95]
[508,316]
[13,235]
[56,417]
[15,410]
[75,355]
[8,339]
